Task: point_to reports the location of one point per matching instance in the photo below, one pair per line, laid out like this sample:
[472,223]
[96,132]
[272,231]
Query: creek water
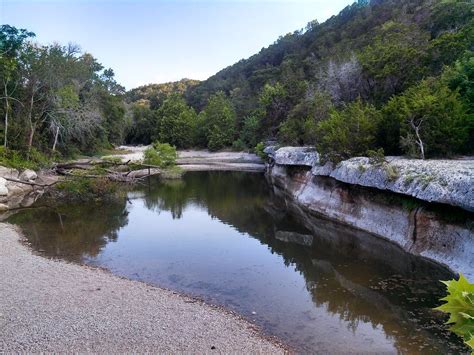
[226,238]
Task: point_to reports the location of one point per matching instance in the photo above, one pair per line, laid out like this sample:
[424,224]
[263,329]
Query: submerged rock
[294,237]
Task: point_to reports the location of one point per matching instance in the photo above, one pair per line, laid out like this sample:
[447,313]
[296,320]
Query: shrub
[349,132]
[249,133]
[239,145]
[162,155]
[376,157]
[459,304]
[259,150]
[20,160]
[112,159]
[84,189]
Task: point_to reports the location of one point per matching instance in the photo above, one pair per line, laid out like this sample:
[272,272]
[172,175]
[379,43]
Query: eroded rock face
[418,230]
[443,181]
[303,156]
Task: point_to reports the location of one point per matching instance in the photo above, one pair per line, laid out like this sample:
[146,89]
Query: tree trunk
[419,142]
[6,124]
[6,116]
[32,126]
[30,137]
[56,138]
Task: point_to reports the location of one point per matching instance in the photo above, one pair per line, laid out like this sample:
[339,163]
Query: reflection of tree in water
[73,231]
[350,273]
[235,198]
[365,279]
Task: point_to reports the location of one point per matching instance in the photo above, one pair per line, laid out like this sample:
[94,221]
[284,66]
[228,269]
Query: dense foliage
[162,155]
[391,75]
[459,304]
[56,97]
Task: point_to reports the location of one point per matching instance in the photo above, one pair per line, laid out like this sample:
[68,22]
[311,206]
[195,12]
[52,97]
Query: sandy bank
[53,306]
[202,160]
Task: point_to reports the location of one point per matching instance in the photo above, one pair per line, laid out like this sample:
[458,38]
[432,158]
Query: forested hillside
[396,75]
[385,76]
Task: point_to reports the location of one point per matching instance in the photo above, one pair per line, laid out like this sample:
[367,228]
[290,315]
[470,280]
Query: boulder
[8,172]
[3,187]
[270,150]
[28,175]
[3,207]
[300,156]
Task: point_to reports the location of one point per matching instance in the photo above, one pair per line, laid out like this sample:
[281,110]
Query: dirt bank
[54,306]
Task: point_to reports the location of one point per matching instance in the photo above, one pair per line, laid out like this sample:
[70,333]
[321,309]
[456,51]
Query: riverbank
[202,160]
[425,207]
[54,306]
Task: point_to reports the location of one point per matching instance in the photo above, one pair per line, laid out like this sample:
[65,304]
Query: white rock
[3,188]
[301,156]
[8,172]
[443,181]
[28,175]
[3,207]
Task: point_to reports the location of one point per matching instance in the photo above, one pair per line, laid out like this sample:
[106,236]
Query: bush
[460,307]
[20,160]
[84,189]
[162,155]
[249,133]
[428,115]
[239,145]
[349,132]
[259,151]
[376,157]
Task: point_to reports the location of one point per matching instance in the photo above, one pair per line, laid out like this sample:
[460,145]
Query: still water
[225,237]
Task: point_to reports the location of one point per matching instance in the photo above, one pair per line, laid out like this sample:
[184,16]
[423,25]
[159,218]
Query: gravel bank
[53,306]
[202,160]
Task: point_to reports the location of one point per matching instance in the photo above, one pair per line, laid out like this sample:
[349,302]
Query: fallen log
[30,183]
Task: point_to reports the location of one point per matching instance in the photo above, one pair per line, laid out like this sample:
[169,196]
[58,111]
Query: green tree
[301,126]
[249,134]
[273,107]
[143,126]
[394,59]
[11,42]
[348,132]
[218,118]
[432,120]
[176,122]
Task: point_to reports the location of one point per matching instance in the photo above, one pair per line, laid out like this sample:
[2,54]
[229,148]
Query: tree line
[391,76]
[387,76]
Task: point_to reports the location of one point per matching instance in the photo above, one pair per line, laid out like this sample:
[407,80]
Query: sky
[147,41]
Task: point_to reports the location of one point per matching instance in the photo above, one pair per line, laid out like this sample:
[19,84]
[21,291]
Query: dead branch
[30,183]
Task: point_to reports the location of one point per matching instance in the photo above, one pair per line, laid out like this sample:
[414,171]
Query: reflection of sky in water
[224,237]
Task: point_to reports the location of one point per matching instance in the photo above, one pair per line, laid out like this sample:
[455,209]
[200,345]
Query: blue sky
[148,41]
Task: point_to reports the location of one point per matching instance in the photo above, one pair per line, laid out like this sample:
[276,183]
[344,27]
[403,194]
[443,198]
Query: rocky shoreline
[54,306]
[374,198]
[22,188]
